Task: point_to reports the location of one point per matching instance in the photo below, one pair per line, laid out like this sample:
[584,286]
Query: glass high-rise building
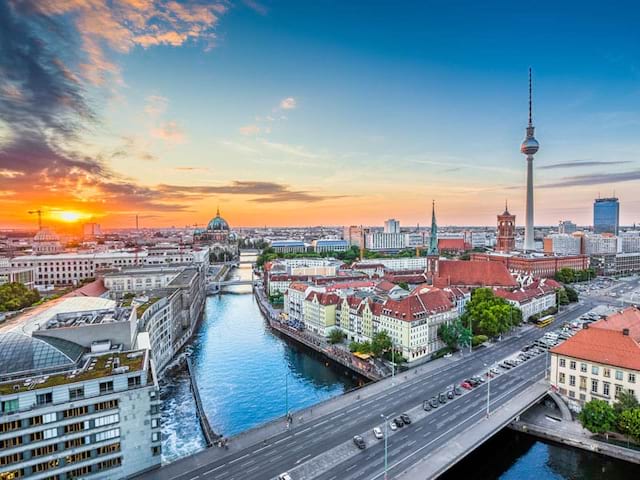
[606,215]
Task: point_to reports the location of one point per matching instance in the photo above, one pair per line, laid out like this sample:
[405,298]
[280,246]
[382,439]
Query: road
[289,449]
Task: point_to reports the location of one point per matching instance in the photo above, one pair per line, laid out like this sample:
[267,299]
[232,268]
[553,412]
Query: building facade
[606,215]
[506,238]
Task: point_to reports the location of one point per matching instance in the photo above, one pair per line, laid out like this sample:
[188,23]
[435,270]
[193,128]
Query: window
[9,406]
[109,434]
[108,405]
[563,362]
[618,389]
[76,412]
[107,449]
[107,420]
[632,378]
[9,426]
[10,442]
[112,463]
[78,457]
[76,393]
[594,385]
[46,450]
[155,437]
[619,375]
[73,443]
[594,370]
[74,427]
[155,423]
[49,417]
[157,450]
[583,397]
[13,458]
[572,365]
[106,387]
[50,433]
[44,398]
[572,394]
[606,372]
[572,380]
[134,381]
[583,383]
[605,388]
[583,367]
[561,378]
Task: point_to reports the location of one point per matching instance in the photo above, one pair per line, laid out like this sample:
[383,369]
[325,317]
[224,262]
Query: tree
[598,416]
[15,296]
[403,285]
[380,343]
[561,297]
[360,347]
[625,400]
[336,336]
[479,340]
[629,422]
[490,315]
[572,295]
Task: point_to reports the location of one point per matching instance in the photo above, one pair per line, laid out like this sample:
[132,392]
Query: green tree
[598,416]
[403,285]
[360,347]
[380,343]
[478,340]
[572,295]
[561,297]
[15,296]
[629,422]
[336,336]
[490,315]
[625,400]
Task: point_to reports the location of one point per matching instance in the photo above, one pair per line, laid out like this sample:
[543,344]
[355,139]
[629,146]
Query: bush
[598,416]
[16,296]
[478,340]
[336,336]
[629,422]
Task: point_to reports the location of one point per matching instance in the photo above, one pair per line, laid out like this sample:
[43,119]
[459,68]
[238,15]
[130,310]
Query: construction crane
[40,212]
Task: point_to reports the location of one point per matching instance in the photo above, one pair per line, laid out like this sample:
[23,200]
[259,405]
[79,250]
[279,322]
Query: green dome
[218,223]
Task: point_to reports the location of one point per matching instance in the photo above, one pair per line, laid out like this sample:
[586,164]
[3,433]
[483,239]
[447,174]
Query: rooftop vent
[625,332]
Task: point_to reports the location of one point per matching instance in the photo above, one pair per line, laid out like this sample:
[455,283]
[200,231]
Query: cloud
[594,179]
[295,150]
[269,192]
[288,103]
[170,132]
[191,169]
[249,130]
[256,7]
[156,105]
[582,163]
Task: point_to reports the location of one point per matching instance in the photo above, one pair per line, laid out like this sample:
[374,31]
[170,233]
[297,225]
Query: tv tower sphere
[529,145]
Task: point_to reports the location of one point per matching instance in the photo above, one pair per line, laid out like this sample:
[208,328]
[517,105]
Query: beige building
[600,361]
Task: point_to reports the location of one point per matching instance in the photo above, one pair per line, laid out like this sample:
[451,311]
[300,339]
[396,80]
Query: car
[495,371]
[377,432]
[450,394]
[426,406]
[398,421]
[442,398]
[505,366]
[473,382]
[392,425]
[433,402]
[466,385]
[457,390]
[359,441]
[448,355]
[284,476]
[406,419]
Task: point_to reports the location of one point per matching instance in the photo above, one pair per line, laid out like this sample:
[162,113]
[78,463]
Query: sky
[307,113]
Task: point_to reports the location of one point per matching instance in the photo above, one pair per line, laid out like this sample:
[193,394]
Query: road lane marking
[337,416]
[303,458]
[351,467]
[322,423]
[280,441]
[302,431]
[214,469]
[238,459]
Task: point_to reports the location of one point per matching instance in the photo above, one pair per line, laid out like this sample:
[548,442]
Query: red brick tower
[506,239]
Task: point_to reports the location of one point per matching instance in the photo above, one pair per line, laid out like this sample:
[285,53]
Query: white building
[330,245]
[409,263]
[392,226]
[385,241]
[69,413]
[288,246]
[532,299]
[601,244]
[630,242]
[414,239]
[563,244]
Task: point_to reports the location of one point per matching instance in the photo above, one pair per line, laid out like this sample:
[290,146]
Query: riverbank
[542,422]
[315,342]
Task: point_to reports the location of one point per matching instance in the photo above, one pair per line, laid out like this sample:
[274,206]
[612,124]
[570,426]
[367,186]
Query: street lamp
[488,386]
[386,424]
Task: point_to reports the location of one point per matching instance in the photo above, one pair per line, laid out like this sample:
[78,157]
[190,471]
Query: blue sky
[353,112]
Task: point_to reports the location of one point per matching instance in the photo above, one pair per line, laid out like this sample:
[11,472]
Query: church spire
[218,211]
[433,239]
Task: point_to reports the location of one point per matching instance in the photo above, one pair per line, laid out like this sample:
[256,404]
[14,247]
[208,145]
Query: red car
[466,385]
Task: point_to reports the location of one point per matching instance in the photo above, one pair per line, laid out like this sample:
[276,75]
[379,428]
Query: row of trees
[490,315]
[15,296]
[380,346]
[598,416]
[569,275]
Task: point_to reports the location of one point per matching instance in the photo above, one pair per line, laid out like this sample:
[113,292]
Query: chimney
[625,332]
[585,326]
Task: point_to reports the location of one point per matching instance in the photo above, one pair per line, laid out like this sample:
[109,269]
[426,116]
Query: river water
[248,376]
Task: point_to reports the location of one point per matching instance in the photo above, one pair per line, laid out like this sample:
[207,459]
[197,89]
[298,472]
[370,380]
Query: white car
[392,425]
[284,476]
[377,432]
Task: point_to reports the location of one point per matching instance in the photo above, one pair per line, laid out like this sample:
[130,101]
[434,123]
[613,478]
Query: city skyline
[289,115]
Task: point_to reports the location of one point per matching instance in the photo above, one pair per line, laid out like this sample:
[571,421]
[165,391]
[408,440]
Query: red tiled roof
[535,290]
[301,287]
[628,318]
[385,286]
[456,244]
[410,307]
[355,285]
[609,347]
[408,278]
[324,298]
[93,289]
[471,273]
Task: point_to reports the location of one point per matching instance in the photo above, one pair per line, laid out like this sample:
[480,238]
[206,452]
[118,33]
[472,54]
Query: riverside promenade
[545,423]
[314,342]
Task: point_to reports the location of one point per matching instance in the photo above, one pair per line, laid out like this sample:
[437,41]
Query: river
[246,375]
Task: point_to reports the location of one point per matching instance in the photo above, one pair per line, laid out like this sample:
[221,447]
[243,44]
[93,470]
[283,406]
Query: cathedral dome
[218,223]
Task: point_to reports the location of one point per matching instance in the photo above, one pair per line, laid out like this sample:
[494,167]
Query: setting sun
[69,216]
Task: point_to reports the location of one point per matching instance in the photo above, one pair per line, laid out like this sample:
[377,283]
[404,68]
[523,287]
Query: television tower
[529,147]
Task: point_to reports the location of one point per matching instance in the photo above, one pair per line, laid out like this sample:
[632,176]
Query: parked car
[406,419]
[495,371]
[457,390]
[426,406]
[392,425]
[466,385]
[442,398]
[450,394]
[433,402]
[505,365]
[359,441]
[284,476]
[398,421]
[377,432]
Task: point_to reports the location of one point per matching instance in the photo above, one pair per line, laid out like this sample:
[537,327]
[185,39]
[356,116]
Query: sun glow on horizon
[70,216]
